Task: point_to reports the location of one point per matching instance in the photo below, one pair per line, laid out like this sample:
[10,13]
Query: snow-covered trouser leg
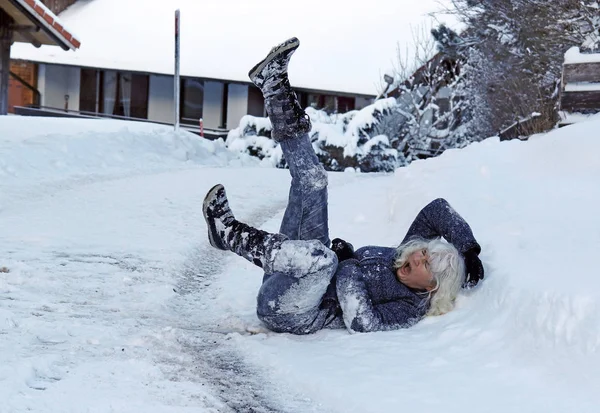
[306,216]
[227,233]
[290,299]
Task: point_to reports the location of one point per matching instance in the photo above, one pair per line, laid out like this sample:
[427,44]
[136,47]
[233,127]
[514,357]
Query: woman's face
[415,273]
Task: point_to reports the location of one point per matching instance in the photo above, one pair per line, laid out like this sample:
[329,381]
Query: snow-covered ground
[114,301]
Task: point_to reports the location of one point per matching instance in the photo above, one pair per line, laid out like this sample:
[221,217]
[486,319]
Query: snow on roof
[573,55]
[38,25]
[582,87]
[345,47]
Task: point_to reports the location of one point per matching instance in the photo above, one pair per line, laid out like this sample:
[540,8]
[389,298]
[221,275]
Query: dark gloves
[344,250]
[473,268]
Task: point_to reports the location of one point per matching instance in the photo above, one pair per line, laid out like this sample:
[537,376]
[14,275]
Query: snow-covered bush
[253,137]
[360,139]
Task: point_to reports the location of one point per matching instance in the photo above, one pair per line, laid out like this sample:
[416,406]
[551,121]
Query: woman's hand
[344,250]
[473,269]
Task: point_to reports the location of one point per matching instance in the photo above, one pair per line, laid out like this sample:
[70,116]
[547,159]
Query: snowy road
[116,303]
[117,277]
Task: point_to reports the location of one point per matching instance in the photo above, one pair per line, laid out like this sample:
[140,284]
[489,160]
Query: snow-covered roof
[37,25]
[574,56]
[345,47]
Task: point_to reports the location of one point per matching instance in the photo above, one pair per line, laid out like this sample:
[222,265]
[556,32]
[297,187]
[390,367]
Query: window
[256,102]
[114,93]
[140,85]
[192,100]
[345,104]
[88,91]
[327,103]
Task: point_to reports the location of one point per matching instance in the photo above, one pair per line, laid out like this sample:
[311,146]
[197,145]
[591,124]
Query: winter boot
[226,233]
[271,77]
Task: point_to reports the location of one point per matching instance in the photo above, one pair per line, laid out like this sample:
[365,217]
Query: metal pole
[177,80]
[5,42]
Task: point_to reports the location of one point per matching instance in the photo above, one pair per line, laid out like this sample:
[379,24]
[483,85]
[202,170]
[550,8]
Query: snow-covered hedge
[360,139]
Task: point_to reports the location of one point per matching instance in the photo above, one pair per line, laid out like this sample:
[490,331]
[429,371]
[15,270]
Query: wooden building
[580,88]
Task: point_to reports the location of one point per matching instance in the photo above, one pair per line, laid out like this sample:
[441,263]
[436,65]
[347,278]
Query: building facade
[146,96]
[66,89]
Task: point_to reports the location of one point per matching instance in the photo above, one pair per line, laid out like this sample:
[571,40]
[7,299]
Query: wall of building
[212,113]
[237,104]
[18,94]
[161,99]
[56,82]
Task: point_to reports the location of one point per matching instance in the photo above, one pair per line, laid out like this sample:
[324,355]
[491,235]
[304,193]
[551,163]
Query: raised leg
[293,296]
[306,215]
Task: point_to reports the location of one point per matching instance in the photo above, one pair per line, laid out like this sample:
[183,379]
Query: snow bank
[36,149]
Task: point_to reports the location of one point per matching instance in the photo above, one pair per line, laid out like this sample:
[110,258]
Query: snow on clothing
[304,287]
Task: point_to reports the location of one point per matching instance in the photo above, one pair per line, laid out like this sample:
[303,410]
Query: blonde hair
[447,268]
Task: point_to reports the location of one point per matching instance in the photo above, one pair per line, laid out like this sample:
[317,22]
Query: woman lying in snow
[308,286]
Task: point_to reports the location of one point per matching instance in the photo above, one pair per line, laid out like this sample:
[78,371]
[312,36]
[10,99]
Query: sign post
[177,80]
[5,43]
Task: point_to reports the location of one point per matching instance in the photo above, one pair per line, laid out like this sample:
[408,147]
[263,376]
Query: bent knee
[299,257]
[314,178]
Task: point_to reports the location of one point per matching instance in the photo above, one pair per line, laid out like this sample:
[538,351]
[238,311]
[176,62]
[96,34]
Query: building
[134,80]
[31,22]
[580,86]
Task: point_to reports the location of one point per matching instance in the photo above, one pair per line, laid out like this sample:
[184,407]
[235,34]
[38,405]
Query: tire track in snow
[240,386]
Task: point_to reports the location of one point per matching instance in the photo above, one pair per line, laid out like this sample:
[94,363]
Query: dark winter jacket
[370,295]
[367,292]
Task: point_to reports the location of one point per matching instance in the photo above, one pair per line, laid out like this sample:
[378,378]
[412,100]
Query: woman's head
[435,266]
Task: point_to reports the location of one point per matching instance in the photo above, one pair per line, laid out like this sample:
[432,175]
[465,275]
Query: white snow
[116,302]
[49,13]
[568,117]
[341,130]
[344,48]
[573,56]
[582,87]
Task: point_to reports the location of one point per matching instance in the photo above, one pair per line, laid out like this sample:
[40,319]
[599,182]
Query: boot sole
[294,43]
[209,221]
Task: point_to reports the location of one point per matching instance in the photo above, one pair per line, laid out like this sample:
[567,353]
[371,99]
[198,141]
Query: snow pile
[357,139]
[253,137]
[35,150]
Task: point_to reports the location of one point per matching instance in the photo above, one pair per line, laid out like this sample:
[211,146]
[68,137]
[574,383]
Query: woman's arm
[439,219]
[359,312]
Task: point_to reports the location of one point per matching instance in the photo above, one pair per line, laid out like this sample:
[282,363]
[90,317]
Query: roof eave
[42,23]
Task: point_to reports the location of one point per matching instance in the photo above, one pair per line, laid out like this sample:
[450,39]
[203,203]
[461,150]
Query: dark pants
[290,298]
